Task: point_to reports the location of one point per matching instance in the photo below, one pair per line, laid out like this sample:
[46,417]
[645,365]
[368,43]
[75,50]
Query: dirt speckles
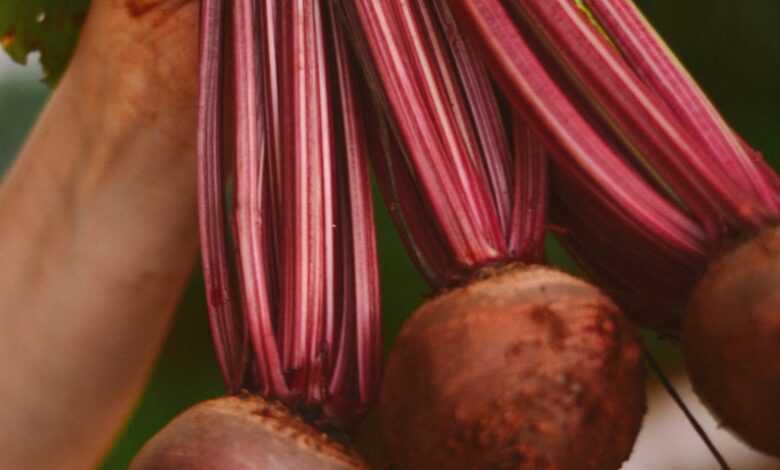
[526,383]
[555,325]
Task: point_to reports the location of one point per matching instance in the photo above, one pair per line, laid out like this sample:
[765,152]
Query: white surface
[10,69]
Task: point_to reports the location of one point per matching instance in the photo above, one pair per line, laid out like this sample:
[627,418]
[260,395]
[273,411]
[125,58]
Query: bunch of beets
[484,122]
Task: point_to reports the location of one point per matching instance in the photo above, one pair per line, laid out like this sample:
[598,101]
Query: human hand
[104,236]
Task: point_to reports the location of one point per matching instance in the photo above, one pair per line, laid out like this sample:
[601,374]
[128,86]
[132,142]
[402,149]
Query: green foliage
[48,26]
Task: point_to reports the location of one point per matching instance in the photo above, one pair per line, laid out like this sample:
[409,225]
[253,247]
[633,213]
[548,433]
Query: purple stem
[224,316]
[358,221]
[529,200]
[308,243]
[574,143]
[655,63]
[407,63]
[251,157]
[409,209]
[496,157]
[640,117]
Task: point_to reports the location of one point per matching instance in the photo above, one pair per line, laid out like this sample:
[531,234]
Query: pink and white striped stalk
[463,196]
[227,326]
[303,218]
[412,72]
[592,158]
[653,61]
[661,118]
[650,180]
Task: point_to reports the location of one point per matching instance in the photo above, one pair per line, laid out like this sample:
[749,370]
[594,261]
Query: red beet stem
[307,216]
[251,161]
[483,105]
[224,316]
[303,217]
[638,116]
[575,143]
[357,234]
[529,201]
[462,195]
[653,61]
[409,62]
[409,209]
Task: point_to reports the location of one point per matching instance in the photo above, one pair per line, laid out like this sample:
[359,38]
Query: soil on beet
[528,369]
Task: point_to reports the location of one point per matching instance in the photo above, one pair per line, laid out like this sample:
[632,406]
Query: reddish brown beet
[731,339]
[242,433]
[529,369]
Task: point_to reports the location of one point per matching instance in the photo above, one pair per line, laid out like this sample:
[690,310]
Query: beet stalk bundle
[306,255]
[654,188]
[299,320]
[512,365]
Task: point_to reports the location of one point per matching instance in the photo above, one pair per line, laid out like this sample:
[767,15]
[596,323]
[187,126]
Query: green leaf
[48,26]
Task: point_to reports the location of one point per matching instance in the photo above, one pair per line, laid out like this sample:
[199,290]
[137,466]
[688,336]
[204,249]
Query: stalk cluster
[459,105]
[295,313]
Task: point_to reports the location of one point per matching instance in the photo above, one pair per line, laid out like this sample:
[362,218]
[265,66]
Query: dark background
[730,46]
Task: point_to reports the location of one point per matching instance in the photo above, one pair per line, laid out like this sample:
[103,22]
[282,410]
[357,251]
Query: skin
[99,234]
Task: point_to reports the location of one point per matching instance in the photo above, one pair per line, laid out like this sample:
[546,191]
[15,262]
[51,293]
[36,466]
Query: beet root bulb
[731,341]
[527,369]
[242,433]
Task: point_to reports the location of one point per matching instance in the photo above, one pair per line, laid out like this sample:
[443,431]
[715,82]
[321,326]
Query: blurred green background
[731,46]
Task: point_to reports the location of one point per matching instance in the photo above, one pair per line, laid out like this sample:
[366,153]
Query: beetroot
[731,339]
[512,365]
[242,433]
[651,184]
[528,368]
[290,270]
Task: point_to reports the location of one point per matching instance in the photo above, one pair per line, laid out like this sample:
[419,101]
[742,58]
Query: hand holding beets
[134,78]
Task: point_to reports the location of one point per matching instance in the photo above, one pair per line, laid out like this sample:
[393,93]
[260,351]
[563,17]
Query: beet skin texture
[242,433]
[731,340]
[528,368]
